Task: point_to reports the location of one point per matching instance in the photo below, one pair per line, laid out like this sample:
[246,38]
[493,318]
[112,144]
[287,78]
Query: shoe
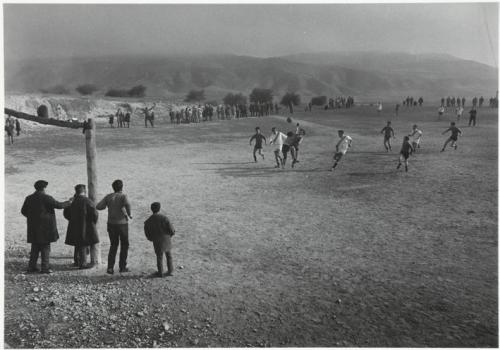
[276,166]
[110,271]
[169,274]
[157,274]
[30,270]
[48,271]
[86,266]
[125,269]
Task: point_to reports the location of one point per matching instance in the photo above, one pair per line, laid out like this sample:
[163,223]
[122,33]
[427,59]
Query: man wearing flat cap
[38,208]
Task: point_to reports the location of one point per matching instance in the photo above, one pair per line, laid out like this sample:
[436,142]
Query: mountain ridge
[360,74]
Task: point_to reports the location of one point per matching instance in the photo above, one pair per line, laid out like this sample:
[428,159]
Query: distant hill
[366,76]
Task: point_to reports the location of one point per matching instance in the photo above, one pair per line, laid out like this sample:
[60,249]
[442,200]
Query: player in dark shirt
[288,146]
[454,136]
[388,132]
[258,137]
[294,146]
[404,154]
[472,117]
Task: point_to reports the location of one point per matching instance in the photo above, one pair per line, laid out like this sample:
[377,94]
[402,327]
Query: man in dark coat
[38,208]
[82,232]
[159,230]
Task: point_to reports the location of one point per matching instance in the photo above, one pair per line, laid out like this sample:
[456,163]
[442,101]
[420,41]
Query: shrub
[195,96]
[42,111]
[57,90]
[137,91]
[117,93]
[86,89]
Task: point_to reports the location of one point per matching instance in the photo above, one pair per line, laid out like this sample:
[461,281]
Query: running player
[299,137]
[258,137]
[454,136]
[288,147]
[341,148]
[416,135]
[404,154]
[388,132]
[277,138]
[459,110]
[440,112]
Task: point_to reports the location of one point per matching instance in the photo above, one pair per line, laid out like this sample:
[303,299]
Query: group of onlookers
[82,216]
[208,112]
[341,102]
[476,102]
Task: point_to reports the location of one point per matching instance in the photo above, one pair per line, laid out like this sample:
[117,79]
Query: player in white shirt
[379,107]
[441,111]
[415,135]
[277,138]
[341,148]
[459,111]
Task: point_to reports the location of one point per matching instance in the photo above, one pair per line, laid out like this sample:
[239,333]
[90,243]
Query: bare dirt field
[364,256]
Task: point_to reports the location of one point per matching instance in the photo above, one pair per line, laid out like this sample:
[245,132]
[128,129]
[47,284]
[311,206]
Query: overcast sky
[49,30]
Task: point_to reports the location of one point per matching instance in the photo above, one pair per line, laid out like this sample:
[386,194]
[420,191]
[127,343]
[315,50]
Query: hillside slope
[363,75]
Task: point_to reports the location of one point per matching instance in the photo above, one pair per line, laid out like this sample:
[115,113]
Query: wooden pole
[90,147]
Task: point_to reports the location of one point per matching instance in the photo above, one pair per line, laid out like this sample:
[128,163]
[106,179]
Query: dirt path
[364,257]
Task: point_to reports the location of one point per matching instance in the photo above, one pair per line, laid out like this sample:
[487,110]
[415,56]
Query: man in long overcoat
[82,232]
[38,208]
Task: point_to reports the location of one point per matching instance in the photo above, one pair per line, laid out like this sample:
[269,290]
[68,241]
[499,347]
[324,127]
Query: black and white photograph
[224,175]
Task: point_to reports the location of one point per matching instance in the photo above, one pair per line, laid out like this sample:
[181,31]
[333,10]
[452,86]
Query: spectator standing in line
[38,208]
[159,230]
[118,216]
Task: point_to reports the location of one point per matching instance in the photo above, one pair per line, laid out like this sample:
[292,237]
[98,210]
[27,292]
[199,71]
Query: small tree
[195,95]
[318,101]
[86,89]
[261,95]
[290,98]
[234,99]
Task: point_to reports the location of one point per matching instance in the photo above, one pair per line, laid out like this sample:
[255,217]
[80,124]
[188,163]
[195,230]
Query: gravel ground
[365,256]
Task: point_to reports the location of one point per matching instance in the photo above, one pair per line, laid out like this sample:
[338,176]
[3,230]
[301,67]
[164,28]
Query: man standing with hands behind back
[118,216]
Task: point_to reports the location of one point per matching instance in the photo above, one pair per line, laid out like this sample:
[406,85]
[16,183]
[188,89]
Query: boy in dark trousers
[404,154]
[454,136]
[159,230]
